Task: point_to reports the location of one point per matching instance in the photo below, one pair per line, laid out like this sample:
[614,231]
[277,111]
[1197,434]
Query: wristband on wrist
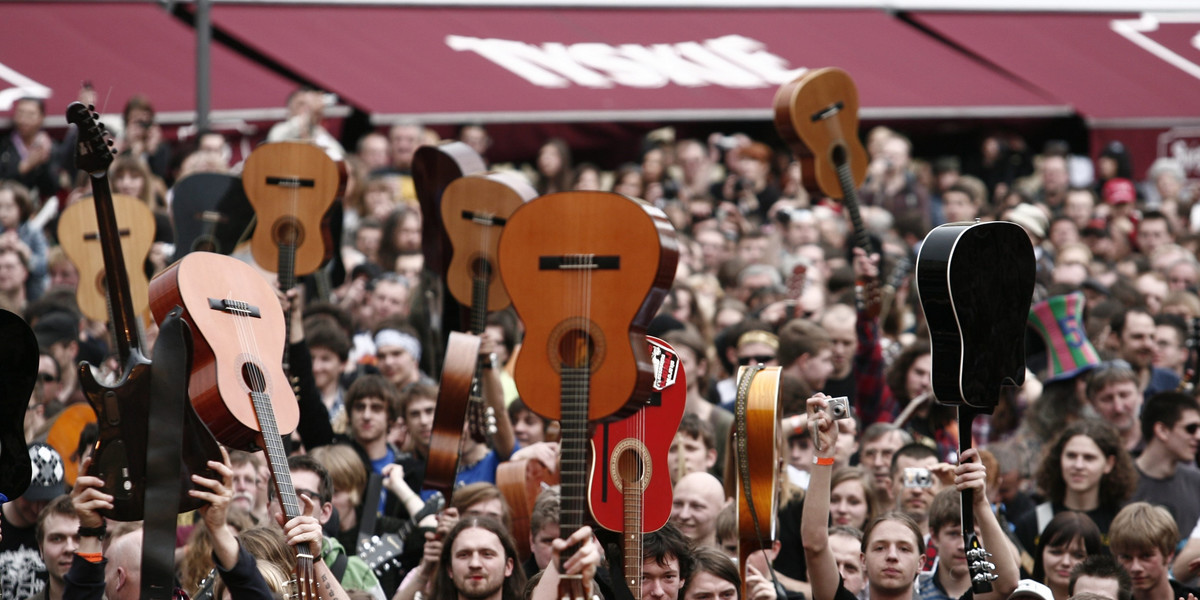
[96,532]
[92,557]
[823,461]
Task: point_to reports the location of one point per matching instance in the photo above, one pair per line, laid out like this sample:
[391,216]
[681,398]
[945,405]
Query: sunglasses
[1192,428]
[47,378]
[754,360]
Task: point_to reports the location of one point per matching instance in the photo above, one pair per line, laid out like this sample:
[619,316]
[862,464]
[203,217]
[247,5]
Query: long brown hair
[1116,486]
[514,585]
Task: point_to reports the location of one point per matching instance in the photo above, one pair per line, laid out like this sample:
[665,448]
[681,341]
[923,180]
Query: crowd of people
[1084,479]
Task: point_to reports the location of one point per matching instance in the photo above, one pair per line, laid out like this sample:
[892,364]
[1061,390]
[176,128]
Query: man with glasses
[1171,430]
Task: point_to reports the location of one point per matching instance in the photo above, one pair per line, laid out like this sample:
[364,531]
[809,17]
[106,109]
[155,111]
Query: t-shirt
[22,573]
[1177,494]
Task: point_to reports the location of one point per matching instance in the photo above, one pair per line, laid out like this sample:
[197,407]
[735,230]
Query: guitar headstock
[93,151]
[982,570]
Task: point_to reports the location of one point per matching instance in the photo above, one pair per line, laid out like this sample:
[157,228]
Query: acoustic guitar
[474,211]
[122,410]
[521,482]
[817,115]
[211,213]
[630,487]
[237,382]
[586,272]
[79,236]
[18,377]
[975,281]
[462,352]
[757,460]
[291,186]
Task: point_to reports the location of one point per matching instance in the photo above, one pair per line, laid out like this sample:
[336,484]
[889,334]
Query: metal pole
[203,64]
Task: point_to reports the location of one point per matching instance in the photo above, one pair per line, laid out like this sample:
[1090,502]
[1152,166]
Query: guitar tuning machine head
[978,554]
[984,577]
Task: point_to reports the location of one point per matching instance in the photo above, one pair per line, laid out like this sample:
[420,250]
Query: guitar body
[291,186]
[233,355]
[211,213]
[642,441]
[78,234]
[586,272]
[520,482]
[818,146]
[64,436]
[975,281]
[454,391]
[433,169]
[757,437]
[474,211]
[18,376]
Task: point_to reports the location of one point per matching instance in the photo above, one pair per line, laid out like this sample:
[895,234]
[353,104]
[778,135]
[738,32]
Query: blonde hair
[345,469]
[1140,526]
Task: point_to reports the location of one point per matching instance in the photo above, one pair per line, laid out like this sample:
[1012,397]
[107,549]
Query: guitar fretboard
[576,382]
[276,455]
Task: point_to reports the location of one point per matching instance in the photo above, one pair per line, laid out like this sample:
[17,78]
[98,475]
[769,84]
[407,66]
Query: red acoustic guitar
[238,386]
[586,272]
[630,489]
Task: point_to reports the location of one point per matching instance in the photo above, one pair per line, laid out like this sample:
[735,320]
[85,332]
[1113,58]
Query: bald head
[123,573]
[699,498]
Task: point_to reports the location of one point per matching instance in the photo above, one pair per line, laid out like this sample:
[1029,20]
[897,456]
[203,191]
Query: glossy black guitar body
[18,376]
[211,213]
[976,282]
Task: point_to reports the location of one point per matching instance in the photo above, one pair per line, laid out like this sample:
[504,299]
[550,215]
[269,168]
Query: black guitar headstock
[93,152]
[982,570]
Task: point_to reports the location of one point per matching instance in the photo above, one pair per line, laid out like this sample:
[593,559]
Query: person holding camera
[893,547]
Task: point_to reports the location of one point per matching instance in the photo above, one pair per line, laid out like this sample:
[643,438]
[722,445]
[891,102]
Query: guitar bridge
[237,307]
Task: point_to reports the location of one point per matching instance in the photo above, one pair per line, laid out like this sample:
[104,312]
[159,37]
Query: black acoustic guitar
[975,281]
[122,409]
[18,376]
[211,213]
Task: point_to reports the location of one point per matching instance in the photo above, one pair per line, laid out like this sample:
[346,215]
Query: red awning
[1116,70]
[537,64]
[48,49]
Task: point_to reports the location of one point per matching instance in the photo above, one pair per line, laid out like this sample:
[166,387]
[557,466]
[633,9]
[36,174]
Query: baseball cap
[1119,191]
[47,482]
[1028,588]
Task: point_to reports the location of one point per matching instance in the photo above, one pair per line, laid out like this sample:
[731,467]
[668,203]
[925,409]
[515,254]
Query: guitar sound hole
[838,154]
[576,348]
[481,268]
[204,245]
[254,377]
[288,231]
[629,465]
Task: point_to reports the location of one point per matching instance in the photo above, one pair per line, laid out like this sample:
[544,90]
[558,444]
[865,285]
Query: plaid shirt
[874,401]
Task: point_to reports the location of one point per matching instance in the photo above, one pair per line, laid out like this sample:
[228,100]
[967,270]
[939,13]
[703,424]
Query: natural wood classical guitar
[757,459]
[79,236]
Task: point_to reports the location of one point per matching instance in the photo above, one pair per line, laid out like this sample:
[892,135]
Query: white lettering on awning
[731,61]
[22,87]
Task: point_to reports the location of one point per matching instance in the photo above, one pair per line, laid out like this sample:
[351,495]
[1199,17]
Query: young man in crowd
[1171,433]
[1100,574]
[1143,539]
[58,538]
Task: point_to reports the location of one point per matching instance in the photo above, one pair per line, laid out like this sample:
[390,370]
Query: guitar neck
[124,320]
[286,274]
[576,382]
[981,581]
[850,199]
[632,496]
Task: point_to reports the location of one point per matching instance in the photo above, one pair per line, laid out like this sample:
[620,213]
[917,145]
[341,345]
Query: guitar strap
[169,371]
[370,510]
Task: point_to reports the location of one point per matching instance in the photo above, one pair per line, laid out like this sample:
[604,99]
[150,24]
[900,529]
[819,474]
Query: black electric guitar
[382,552]
[18,376]
[975,281]
[122,410]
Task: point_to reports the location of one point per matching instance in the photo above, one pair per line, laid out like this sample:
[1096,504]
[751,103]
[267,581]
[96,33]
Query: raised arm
[493,395]
[970,474]
[814,523]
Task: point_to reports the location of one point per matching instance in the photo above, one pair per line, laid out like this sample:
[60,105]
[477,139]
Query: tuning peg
[978,554]
[984,577]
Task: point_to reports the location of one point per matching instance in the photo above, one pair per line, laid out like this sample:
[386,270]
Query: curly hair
[1116,486]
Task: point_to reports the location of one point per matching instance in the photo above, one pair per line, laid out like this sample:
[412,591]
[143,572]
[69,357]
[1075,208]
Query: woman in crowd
[852,498]
[1068,539]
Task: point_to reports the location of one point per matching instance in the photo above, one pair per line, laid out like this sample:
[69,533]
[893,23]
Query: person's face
[817,368]
[1054,174]
[397,364]
[920,376]
[949,542]
[478,565]
[1184,438]
[694,510]
[380,203]
[388,299]
[847,553]
[713,248]
[528,428]
[691,450]
[1170,352]
[410,266]
[661,582]
[1137,340]
[419,418]
[588,180]
[913,501]
[1118,403]
[374,152]
[130,183]
[1108,587]
[540,543]
[51,383]
[800,452]
[892,557]
[64,274]
[1063,232]
[1147,567]
[706,586]
[1182,276]
[405,139]
[1059,560]
[1152,234]
[848,504]
[630,185]
[756,352]
[843,345]
[958,207]
[753,250]
[27,117]
[1078,207]
[245,486]
[492,507]
[1084,464]
[408,236]
[367,240]
[549,161]
[326,366]
[876,456]
[10,213]
[308,484]
[59,541]
[369,419]
[477,138]
[12,272]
